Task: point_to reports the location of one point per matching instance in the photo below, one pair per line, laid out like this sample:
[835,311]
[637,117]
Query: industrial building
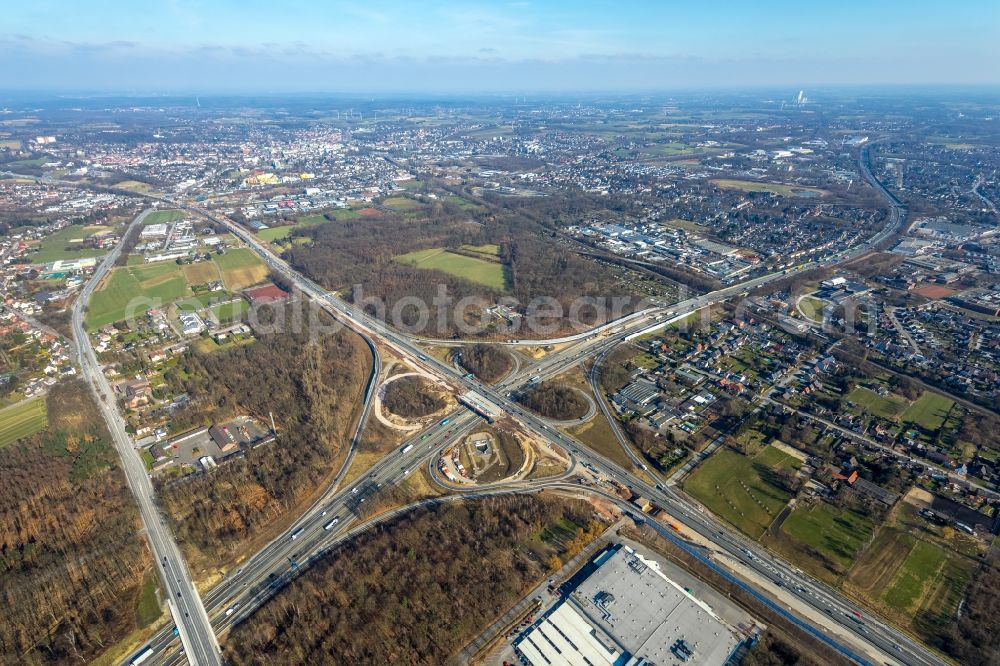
[626,612]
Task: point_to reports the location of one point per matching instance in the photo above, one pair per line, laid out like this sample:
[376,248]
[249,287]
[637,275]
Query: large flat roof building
[628,613]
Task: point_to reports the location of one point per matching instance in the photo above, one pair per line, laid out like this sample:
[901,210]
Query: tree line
[417,589]
[554,401]
[487,362]
[535,261]
[310,386]
[72,558]
[412,397]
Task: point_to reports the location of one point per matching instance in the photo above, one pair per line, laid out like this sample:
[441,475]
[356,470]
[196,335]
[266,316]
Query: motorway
[185,605]
[892,644]
[241,592]
[285,556]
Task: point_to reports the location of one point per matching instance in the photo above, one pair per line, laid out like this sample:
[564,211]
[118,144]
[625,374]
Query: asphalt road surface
[185,605]
[314,533]
[892,643]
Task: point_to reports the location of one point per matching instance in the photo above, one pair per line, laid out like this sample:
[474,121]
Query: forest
[487,362]
[973,639]
[412,397]
[340,255]
[361,251]
[554,401]
[72,558]
[416,590]
[774,650]
[312,388]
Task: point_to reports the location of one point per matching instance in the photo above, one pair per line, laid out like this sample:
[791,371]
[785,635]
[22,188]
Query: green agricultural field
[201,272]
[272,234]
[929,411]
[36,162]
[462,203]
[134,186]
[131,290]
[734,487]
[22,419]
[921,565]
[888,407]
[61,245]
[201,300]
[781,189]
[341,214]
[280,233]
[401,203]
[163,281]
[488,273]
[874,572]
[231,311]
[164,216]
[240,257]
[838,534]
[916,573]
[241,268]
[488,250]
[671,149]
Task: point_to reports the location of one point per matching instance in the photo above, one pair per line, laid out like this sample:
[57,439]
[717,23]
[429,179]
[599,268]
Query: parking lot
[216,442]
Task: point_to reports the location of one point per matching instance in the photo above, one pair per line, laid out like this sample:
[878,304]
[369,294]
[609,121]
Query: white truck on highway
[406,448]
[142,656]
[329,525]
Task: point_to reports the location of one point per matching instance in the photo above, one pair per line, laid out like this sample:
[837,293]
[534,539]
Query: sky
[526,46]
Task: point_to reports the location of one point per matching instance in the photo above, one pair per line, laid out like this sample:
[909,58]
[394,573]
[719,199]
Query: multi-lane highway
[335,516]
[185,605]
[275,565]
[317,530]
[884,638]
[585,346]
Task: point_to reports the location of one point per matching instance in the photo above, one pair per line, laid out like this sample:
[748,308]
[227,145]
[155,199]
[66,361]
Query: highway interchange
[314,533]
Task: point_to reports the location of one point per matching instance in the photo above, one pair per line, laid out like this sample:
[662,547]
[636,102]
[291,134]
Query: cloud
[295,66]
